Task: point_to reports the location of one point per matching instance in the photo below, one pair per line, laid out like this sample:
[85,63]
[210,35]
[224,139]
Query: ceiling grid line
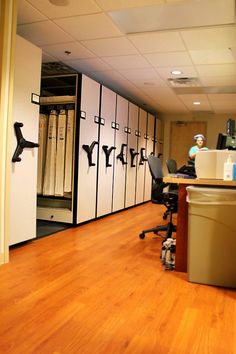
[112,43]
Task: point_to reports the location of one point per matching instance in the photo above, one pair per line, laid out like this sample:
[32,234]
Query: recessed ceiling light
[196,103]
[176,72]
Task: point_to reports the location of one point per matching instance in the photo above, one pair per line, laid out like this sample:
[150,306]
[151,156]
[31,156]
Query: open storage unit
[56,160]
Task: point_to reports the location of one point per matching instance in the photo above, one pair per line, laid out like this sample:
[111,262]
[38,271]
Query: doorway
[181,139]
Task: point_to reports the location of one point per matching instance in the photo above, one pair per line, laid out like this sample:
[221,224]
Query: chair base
[169,228]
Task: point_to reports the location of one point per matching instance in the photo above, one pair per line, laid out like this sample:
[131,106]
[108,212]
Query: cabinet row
[95,163]
[103,158]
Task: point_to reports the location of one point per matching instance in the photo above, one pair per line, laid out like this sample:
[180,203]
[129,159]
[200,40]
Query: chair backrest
[155,167]
[158,194]
[172,168]
[171,165]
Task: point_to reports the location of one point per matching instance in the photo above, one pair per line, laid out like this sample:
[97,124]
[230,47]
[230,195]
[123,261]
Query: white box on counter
[210,163]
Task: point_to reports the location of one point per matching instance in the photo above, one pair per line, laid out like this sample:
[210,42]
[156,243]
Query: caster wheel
[142,235]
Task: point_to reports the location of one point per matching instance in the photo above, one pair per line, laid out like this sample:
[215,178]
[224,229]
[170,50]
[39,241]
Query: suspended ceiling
[132,46]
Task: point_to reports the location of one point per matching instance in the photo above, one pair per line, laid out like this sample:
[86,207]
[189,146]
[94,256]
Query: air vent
[56,68]
[184,82]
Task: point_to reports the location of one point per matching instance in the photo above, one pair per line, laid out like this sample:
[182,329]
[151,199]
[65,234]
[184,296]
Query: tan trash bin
[212,236]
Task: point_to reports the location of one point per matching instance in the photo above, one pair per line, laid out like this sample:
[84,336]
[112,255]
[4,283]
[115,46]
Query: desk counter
[182,216]
[199,181]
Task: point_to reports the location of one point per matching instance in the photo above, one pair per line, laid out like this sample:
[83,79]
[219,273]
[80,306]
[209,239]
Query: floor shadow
[45,228]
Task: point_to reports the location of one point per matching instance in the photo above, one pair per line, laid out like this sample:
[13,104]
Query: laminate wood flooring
[98,288]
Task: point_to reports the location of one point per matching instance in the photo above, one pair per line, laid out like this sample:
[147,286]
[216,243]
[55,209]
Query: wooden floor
[98,289]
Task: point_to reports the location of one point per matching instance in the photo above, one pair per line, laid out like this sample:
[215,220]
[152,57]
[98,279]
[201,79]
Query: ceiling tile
[26,13]
[223,103]
[143,77]
[216,70]
[75,7]
[148,83]
[165,97]
[212,56]
[48,58]
[157,42]
[140,74]
[107,75]
[210,38]
[139,65]
[110,78]
[163,91]
[127,62]
[175,15]
[43,33]
[174,109]
[87,65]
[222,81]
[109,5]
[174,1]
[190,98]
[169,59]
[110,46]
[89,27]
[77,51]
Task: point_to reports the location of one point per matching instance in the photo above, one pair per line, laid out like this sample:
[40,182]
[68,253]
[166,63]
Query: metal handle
[89,150]
[142,156]
[133,155]
[108,152]
[121,155]
[21,142]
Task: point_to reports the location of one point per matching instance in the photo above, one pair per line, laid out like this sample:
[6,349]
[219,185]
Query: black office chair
[169,199]
[173,187]
[171,165]
[172,168]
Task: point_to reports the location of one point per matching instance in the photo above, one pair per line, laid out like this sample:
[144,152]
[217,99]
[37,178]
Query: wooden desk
[182,216]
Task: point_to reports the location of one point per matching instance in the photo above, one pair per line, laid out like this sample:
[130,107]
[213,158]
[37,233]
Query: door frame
[8,20]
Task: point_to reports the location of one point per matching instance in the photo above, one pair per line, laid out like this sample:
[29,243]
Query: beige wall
[216,123]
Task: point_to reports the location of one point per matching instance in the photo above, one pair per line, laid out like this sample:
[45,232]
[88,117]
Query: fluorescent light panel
[183,14]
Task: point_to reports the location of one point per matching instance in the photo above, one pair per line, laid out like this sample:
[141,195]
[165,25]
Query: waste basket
[212,236]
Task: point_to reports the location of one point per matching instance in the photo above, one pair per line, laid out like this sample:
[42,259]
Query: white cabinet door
[150,150]
[158,138]
[106,152]
[23,178]
[141,163]
[88,136]
[132,157]
[118,201]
